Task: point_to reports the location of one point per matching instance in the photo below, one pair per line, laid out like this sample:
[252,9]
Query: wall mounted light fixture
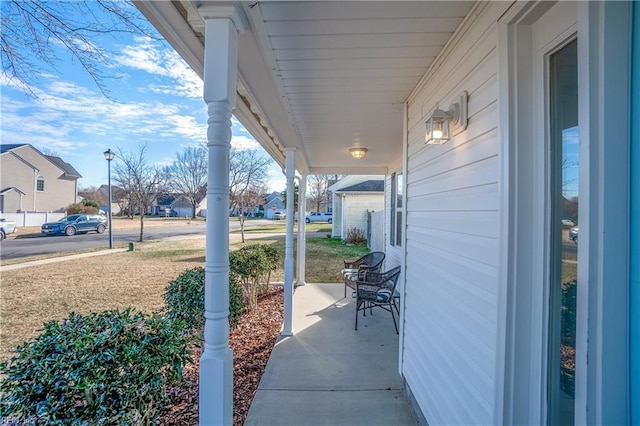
[358,153]
[444,124]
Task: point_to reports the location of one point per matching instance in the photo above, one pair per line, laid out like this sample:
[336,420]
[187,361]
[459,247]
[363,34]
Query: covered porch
[327,372]
[312,82]
[451,102]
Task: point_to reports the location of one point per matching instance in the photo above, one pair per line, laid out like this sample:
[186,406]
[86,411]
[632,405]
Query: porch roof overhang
[322,77]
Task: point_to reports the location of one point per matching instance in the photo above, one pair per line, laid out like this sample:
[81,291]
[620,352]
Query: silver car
[573,234]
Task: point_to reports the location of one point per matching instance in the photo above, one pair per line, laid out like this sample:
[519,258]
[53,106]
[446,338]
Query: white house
[484,117]
[353,198]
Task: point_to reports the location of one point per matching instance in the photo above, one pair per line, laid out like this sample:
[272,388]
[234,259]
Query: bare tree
[33,31]
[318,190]
[142,181]
[187,176]
[247,179]
[94,194]
[296,192]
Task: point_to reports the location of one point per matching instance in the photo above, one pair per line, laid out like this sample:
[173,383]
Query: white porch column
[287,329]
[222,25]
[302,231]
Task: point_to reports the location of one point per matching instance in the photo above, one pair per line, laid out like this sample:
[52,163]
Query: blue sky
[570,147]
[158,102]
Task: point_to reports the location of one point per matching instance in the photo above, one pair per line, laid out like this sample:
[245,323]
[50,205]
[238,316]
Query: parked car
[7,227]
[567,222]
[573,234]
[169,212]
[76,224]
[319,217]
[278,215]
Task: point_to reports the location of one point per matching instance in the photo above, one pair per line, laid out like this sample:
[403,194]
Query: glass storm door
[564,229]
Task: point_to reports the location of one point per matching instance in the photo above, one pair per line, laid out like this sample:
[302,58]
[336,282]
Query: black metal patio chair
[374,289]
[371,262]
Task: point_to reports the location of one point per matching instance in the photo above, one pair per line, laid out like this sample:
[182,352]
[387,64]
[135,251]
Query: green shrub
[103,368]
[236,301]
[252,265]
[184,299]
[77,208]
[90,203]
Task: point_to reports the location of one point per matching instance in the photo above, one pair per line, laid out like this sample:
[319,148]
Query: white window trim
[604,61]
[521,361]
[44,182]
[602,373]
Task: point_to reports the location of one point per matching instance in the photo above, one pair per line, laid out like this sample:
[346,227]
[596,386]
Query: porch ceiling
[323,76]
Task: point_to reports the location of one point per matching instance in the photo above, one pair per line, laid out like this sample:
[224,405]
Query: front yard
[34,295]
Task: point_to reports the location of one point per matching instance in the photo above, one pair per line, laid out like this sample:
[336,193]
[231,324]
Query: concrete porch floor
[330,374]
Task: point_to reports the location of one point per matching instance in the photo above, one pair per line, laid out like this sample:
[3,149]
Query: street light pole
[109,155]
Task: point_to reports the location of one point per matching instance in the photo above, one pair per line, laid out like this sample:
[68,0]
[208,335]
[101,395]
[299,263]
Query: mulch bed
[252,341]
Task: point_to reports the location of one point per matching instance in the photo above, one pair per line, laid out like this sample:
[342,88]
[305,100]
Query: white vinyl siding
[452,237]
[355,207]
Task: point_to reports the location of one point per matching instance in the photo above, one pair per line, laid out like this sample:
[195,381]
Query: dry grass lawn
[32,296]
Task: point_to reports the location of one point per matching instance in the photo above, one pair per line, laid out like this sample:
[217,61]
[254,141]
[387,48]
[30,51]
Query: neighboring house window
[395,231]
[40,184]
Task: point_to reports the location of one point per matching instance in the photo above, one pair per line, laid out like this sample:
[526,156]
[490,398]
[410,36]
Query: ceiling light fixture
[358,153]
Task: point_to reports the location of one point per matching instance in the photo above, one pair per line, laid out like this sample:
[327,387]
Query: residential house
[482,116]
[117,199]
[354,197]
[273,203]
[33,181]
[176,205]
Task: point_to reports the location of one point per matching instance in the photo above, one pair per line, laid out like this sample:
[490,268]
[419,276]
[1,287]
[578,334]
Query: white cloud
[277,180]
[149,56]
[64,113]
[243,143]
[166,161]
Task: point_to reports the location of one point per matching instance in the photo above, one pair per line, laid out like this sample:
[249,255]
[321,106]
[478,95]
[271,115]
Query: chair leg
[394,318]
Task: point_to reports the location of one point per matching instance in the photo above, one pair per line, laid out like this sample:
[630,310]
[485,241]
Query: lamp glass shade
[438,130]
[109,155]
[358,153]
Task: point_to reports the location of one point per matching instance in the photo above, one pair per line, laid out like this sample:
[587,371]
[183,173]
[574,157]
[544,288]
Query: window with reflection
[564,196]
[395,232]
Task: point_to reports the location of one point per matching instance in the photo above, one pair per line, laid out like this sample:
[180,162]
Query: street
[16,248]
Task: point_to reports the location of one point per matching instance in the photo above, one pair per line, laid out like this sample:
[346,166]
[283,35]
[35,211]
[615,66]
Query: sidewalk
[59,259]
[330,374]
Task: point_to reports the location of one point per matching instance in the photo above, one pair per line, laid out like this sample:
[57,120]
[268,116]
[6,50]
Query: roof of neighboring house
[366,186]
[68,169]
[352,180]
[8,147]
[11,188]
[166,200]
[273,196]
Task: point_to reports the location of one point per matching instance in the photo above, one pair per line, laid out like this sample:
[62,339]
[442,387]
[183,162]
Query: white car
[319,217]
[279,215]
[7,227]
